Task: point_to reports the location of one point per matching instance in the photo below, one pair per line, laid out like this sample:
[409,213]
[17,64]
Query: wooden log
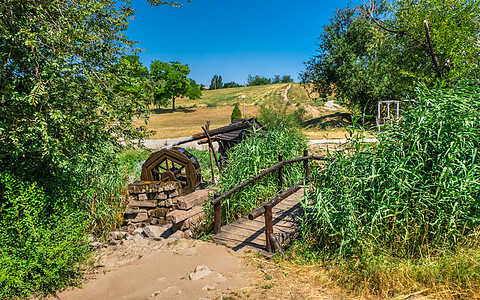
[277,199]
[280,172]
[268,227]
[305,163]
[276,244]
[263,174]
[217,214]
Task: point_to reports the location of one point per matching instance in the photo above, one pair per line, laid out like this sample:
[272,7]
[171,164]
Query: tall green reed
[250,157]
[413,192]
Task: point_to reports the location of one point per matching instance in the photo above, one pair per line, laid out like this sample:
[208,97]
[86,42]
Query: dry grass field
[216,106]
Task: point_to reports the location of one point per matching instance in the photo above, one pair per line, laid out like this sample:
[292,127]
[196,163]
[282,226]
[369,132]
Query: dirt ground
[142,268]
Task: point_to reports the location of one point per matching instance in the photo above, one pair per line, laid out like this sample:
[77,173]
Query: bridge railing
[267,207]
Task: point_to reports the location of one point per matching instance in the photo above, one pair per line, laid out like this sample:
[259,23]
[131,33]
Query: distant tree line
[259,80]
[217,82]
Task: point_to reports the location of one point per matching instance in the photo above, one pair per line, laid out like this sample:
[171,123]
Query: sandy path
[163,273]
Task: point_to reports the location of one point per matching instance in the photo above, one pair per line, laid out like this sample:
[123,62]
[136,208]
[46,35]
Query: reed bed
[408,206]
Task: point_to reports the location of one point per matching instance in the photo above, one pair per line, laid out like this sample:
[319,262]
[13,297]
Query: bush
[42,240]
[236,113]
[212,104]
[277,115]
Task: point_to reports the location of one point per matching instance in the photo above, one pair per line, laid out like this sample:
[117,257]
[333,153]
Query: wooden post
[268,226]
[280,172]
[305,163]
[217,215]
[210,144]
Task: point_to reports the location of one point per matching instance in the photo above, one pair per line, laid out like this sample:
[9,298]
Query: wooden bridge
[281,214]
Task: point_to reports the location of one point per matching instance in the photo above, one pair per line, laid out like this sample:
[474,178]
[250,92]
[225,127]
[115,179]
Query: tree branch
[430,49]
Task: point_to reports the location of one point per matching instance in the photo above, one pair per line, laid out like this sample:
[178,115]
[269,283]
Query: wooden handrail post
[305,163]
[217,215]
[268,227]
[280,172]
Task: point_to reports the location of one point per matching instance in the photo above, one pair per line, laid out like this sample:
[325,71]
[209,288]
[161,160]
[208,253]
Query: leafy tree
[129,78]
[275,79]
[236,113]
[194,91]
[257,80]
[231,84]
[286,79]
[383,51]
[176,83]
[68,96]
[216,82]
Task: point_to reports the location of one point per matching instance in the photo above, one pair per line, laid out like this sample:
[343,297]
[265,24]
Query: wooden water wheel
[176,164]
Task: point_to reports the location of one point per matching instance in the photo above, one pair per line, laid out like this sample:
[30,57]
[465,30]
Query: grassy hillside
[217,105]
[253,95]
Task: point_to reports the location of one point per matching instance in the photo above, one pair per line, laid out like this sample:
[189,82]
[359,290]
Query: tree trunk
[173,104]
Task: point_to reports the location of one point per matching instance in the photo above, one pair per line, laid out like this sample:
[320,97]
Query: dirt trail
[147,269]
[285,93]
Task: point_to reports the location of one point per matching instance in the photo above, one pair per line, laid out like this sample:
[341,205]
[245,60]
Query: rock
[142,197]
[96,244]
[154,232]
[199,273]
[177,216]
[190,200]
[188,223]
[136,218]
[133,210]
[160,196]
[137,231]
[137,237]
[159,212]
[176,235]
[116,235]
[146,203]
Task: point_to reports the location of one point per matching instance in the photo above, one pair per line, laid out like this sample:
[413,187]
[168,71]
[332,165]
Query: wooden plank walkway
[245,234]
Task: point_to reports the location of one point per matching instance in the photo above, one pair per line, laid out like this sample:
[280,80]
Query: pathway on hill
[285,93]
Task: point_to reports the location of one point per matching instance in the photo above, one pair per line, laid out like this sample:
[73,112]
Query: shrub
[42,240]
[236,113]
[213,104]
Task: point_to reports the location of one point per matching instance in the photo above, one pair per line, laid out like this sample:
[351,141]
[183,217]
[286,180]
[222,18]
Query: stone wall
[161,203]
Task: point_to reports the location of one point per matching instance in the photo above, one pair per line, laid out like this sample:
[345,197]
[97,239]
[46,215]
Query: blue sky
[232,38]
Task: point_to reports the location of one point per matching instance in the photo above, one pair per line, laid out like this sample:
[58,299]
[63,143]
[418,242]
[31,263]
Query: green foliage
[281,79]
[278,115]
[212,104]
[41,241]
[236,113]
[216,83]
[413,193]
[257,80]
[381,51]
[176,83]
[231,84]
[250,157]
